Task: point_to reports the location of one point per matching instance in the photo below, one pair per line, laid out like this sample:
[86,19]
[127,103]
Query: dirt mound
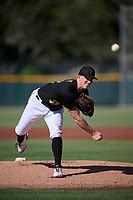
[77,174]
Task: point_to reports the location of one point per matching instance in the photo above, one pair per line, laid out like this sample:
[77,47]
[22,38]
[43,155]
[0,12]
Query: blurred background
[50,40]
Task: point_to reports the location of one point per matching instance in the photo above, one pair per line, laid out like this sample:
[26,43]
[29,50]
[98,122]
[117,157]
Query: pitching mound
[77,174]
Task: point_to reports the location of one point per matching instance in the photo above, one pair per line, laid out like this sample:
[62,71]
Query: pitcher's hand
[97,136]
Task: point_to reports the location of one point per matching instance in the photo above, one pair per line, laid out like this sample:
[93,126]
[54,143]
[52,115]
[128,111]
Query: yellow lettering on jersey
[54,102]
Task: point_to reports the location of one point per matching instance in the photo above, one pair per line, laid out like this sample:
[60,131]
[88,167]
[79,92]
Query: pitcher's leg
[57,145]
[32,113]
[57,152]
[21,142]
[54,123]
[26,121]
[23,127]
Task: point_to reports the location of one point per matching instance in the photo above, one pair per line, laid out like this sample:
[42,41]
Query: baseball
[20,159]
[115,47]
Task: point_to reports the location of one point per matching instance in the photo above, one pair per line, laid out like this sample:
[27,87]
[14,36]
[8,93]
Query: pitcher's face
[83,83]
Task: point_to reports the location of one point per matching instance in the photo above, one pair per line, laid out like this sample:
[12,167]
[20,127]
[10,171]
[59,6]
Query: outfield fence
[15,89]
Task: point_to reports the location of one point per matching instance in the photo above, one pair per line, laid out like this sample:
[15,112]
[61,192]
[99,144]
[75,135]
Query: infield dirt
[77,174]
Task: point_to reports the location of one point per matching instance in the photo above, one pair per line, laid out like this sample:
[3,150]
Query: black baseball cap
[87,72]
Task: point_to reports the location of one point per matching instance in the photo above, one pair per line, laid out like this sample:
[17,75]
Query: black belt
[37,96]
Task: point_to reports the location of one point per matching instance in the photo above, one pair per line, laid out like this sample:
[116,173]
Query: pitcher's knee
[53,135]
[18,131]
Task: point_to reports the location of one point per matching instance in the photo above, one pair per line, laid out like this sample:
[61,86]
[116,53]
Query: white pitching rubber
[20,159]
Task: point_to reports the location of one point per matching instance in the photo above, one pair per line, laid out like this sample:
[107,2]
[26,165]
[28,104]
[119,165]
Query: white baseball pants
[35,110]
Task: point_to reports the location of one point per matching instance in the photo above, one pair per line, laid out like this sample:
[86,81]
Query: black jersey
[58,94]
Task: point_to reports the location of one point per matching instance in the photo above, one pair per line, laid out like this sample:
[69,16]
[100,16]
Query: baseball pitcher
[47,102]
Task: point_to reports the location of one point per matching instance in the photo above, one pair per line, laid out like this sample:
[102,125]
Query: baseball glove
[86,105]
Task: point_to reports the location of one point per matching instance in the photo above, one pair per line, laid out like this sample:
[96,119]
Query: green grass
[41,194]
[104,116]
[113,116]
[119,151]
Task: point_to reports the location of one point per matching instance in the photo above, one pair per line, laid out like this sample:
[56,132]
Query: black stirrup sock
[57,150]
[20,138]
